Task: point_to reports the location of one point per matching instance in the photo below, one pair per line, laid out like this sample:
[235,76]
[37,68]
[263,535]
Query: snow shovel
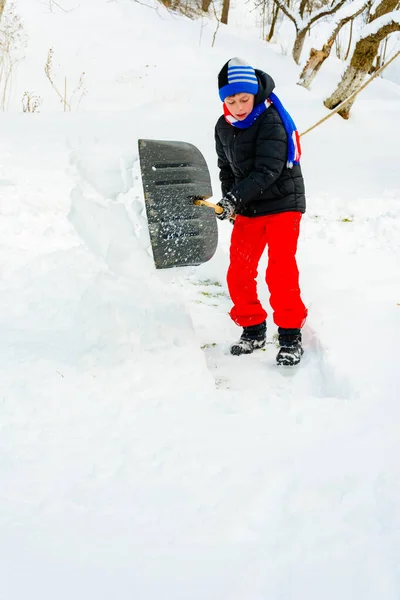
[174,176]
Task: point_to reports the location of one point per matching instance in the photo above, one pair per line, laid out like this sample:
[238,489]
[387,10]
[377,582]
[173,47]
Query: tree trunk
[313,65]
[205,5]
[351,81]
[361,62]
[225,11]
[273,23]
[303,5]
[2,5]
[298,44]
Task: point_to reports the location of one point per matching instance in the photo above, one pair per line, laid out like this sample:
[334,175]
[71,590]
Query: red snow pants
[250,236]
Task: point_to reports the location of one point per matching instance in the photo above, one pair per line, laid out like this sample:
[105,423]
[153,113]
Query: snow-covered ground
[138,459]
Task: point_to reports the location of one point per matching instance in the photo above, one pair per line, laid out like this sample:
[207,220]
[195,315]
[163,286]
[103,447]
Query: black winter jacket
[252,162]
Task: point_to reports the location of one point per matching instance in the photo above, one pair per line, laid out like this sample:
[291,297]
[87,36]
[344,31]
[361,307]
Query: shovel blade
[174,174]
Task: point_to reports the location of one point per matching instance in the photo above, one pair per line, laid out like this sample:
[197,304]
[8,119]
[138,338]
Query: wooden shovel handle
[217,209]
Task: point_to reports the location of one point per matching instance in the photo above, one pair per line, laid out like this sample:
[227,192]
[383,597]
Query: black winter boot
[290,351]
[252,338]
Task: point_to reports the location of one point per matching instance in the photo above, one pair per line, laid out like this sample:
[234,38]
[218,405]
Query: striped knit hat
[237,76]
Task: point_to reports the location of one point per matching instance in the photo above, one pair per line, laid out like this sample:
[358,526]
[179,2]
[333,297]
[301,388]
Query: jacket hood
[266,86]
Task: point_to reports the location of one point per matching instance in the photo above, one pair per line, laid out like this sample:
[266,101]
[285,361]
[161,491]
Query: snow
[138,459]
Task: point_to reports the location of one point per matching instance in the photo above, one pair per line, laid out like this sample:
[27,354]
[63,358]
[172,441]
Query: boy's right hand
[228,204]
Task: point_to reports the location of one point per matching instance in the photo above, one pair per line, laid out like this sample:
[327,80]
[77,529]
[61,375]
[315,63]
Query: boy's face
[240,105]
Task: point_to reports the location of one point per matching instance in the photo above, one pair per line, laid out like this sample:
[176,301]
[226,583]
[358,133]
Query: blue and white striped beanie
[237,76]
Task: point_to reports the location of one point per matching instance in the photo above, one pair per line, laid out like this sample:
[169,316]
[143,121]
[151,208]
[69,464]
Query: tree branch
[298,21]
[324,12]
[302,8]
[345,20]
[383,21]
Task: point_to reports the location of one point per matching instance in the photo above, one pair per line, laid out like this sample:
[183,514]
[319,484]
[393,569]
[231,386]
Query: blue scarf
[294,148]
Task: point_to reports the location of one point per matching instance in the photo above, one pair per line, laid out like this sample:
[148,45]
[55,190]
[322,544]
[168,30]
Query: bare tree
[269,16]
[205,5]
[274,20]
[304,23]
[318,57]
[225,11]
[2,5]
[382,23]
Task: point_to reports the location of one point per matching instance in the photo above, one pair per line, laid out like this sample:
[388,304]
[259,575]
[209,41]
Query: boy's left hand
[228,203]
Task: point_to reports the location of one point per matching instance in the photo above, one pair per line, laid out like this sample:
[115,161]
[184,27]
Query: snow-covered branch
[374,5]
[384,8]
[351,9]
[325,11]
[293,16]
[347,14]
[383,21]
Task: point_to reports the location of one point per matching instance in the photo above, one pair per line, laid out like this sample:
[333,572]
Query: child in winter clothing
[258,151]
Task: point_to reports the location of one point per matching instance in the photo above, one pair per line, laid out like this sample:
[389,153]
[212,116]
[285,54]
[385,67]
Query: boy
[258,151]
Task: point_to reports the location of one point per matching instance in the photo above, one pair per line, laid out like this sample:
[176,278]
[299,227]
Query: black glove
[229,204]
